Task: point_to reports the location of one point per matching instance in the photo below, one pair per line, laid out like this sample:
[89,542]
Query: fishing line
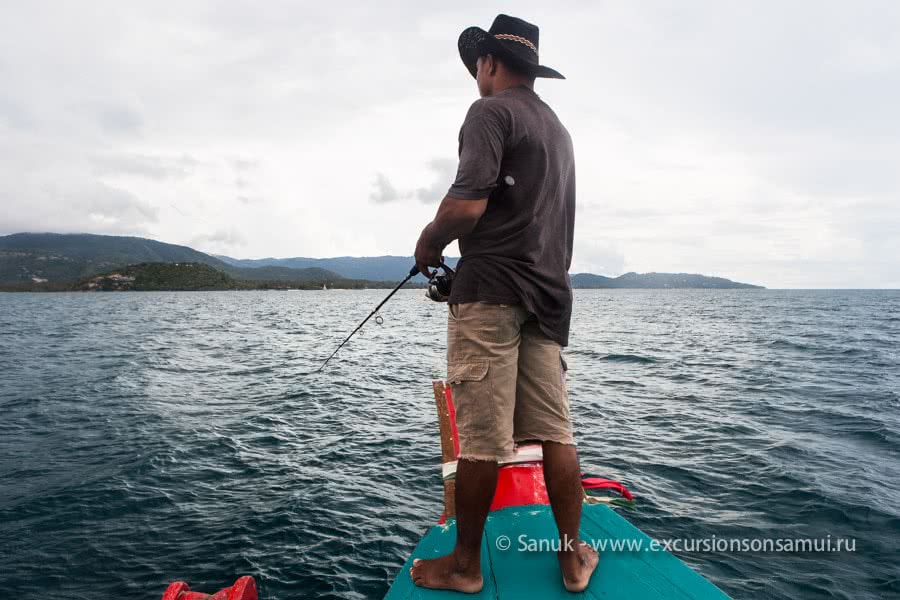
[412,273]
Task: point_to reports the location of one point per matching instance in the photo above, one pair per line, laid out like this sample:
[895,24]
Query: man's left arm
[455,218]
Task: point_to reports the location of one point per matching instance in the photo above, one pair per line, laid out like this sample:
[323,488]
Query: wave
[629,358]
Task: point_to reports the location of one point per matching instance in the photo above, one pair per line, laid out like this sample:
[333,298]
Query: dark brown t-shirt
[521,249]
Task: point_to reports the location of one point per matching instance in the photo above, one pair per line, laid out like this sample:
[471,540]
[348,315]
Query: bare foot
[578,566]
[445,573]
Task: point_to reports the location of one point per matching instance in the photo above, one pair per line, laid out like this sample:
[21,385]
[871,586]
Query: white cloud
[219,241]
[757,141]
[72,205]
[154,167]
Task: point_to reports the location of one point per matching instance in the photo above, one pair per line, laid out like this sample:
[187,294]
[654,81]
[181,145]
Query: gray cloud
[119,120]
[597,257]
[384,191]
[153,167]
[75,206]
[244,164]
[14,115]
[772,159]
[244,172]
[444,170]
[219,239]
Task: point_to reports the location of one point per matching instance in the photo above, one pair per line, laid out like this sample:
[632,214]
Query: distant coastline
[198,277]
[51,262]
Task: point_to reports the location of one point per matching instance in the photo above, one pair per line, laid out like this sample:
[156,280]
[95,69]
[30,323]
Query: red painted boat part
[523,483]
[596,483]
[520,485]
[517,485]
[243,589]
[452,411]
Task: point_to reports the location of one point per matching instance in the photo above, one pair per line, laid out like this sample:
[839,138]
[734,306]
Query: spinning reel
[440,284]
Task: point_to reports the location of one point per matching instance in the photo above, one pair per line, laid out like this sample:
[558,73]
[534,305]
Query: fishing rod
[412,273]
[438,285]
[438,290]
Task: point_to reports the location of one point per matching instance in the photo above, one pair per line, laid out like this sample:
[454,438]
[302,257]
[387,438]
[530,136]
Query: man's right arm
[481,143]
[455,218]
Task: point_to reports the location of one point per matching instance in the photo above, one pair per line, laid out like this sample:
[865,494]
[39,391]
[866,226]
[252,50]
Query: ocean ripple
[159,436]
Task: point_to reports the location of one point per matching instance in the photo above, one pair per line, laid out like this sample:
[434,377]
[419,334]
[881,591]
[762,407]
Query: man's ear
[492,65]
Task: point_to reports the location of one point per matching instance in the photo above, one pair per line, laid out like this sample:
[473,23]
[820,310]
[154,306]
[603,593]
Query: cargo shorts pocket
[470,384]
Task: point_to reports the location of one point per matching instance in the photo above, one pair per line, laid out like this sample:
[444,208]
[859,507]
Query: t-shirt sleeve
[481,141]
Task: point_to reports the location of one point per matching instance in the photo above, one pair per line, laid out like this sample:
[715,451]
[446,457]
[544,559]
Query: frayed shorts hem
[563,439]
[479,457]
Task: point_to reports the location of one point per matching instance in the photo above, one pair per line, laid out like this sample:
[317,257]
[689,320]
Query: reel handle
[415,270]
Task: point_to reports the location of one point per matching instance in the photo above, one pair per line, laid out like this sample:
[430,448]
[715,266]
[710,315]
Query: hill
[373,268]
[58,261]
[63,257]
[161,276]
[656,281]
[55,258]
[393,268]
[146,277]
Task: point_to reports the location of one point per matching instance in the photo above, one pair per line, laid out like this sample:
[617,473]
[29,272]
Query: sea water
[148,437]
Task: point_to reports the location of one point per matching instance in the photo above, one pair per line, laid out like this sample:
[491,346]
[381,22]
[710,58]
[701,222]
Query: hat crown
[512,40]
[506,29]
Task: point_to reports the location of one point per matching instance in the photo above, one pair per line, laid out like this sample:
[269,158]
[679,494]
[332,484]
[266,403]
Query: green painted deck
[518,574]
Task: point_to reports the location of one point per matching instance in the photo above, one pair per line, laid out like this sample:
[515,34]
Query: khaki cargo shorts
[508,380]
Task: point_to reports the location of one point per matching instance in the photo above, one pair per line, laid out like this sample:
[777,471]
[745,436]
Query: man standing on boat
[512,208]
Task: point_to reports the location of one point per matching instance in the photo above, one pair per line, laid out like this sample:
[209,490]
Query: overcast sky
[758,141]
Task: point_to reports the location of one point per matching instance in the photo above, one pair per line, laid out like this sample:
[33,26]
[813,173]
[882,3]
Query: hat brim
[475,41]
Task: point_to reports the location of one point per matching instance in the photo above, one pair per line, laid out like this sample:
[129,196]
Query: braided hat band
[516,38]
[511,39]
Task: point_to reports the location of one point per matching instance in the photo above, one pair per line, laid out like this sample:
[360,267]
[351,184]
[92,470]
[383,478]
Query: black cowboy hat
[510,39]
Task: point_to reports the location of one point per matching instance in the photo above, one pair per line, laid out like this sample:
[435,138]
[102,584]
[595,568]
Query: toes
[590,550]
